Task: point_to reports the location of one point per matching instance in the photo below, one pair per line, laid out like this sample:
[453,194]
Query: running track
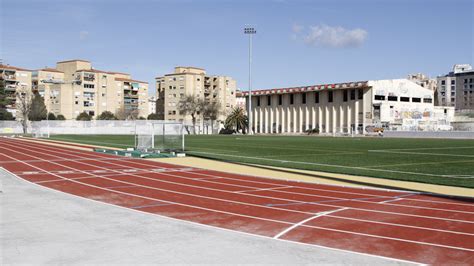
[394,224]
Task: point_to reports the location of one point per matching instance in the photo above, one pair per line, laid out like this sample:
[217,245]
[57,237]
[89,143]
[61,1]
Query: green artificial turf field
[437,161]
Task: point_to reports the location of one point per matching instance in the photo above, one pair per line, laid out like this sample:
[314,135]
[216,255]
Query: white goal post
[163,136]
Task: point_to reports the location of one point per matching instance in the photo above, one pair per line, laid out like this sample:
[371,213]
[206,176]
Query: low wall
[430,134]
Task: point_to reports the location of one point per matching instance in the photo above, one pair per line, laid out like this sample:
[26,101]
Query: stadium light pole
[250,31]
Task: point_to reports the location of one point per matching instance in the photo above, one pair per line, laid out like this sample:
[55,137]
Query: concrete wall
[427,134]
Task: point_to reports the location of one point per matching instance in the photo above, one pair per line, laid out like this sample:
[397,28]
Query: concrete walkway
[43,226]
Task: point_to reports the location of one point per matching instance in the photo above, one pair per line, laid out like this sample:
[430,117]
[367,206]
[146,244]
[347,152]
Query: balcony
[8,76]
[10,87]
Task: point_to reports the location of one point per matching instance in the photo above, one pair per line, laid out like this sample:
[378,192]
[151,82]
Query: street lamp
[250,31]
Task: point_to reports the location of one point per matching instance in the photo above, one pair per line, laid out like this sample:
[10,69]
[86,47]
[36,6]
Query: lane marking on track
[62,180]
[319,214]
[254,217]
[151,205]
[403,214]
[261,189]
[195,171]
[391,200]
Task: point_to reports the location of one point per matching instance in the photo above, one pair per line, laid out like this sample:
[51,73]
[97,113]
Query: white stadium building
[352,107]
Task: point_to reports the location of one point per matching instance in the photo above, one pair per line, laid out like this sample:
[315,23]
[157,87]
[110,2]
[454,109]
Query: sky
[297,42]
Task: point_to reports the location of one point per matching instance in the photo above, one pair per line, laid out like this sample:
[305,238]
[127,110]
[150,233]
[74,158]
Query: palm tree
[190,105]
[237,120]
[211,111]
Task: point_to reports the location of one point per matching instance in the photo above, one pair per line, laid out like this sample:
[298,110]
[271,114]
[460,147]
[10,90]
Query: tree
[5,115]
[24,99]
[237,120]
[60,117]
[153,117]
[51,116]
[84,117]
[106,115]
[4,100]
[211,111]
[126,114]
[38,110]
[141,118]
[190,105]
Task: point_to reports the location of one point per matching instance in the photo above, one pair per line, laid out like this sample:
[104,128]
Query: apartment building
[152,105]
[85,89]
[353,107]
[457,88]
[14,79]
[171,88]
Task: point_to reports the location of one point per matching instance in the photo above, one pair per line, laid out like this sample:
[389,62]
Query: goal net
[160,136]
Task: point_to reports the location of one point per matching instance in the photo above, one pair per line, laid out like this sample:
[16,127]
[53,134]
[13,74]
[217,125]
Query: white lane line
[220,190]
[140,162]
[431,148]
[322,204]
[391,200]
[236,214]
[423,153]
[319,214]
[261,189]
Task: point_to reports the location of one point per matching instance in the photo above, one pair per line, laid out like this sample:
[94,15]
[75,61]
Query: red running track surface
[394,224]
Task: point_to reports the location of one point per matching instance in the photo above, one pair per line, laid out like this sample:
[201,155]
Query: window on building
[453,82]
[330,97]
[269,100]
[280,99]
[344,95]
[292,98]
[427,100]
[379,97]
[416,100]
[360,94]
[453,99]
[258,100]
[303,98]
[392,98]
[404,99]
[443,82]
[316,97]
[353,94]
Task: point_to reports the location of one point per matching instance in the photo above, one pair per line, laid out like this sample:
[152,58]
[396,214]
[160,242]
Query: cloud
[333,36]
[83,34]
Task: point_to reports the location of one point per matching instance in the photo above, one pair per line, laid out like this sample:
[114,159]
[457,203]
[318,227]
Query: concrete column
[260,119]
[295,120]
[334,117]
[341,117]
[320,118]
[326,119]
[301,118]
[271,120]
[313,117]
[277,119]
[356,116]
[349,116]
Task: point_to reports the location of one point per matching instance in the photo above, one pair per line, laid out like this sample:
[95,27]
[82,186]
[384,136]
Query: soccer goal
[163,136]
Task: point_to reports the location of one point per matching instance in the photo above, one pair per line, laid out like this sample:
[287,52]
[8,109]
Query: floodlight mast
[250,31]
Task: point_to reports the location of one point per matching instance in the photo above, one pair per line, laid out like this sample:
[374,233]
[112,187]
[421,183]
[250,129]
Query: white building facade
[353,107]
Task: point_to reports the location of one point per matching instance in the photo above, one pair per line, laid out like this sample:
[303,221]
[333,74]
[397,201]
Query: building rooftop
[13,68]
[47,69]
[73,60]
[346,85]
[130,80]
